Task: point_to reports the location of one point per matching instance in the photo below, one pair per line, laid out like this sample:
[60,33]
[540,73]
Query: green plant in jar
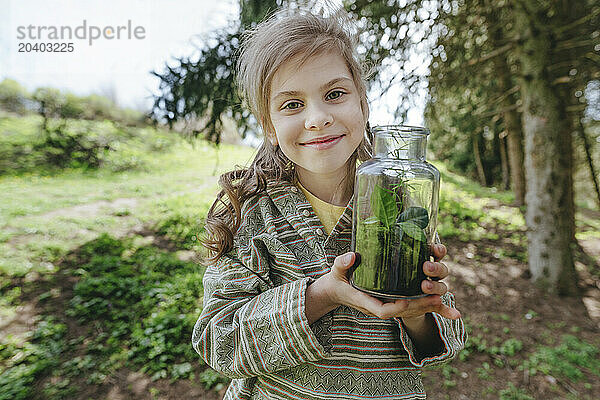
[395,210]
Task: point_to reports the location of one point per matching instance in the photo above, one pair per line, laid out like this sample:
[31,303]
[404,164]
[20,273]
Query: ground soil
[486,287]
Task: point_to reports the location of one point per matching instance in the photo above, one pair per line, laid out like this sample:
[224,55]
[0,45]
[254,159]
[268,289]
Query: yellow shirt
[329,214]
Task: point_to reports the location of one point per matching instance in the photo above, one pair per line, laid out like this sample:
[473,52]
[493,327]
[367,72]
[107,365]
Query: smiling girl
[279,315]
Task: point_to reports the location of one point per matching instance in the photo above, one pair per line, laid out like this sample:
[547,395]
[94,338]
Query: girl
[279,316]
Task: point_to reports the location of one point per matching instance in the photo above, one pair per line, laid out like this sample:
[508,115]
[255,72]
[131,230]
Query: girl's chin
[323,168]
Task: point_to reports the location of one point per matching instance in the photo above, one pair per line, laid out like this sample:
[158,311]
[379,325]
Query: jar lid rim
[401,129]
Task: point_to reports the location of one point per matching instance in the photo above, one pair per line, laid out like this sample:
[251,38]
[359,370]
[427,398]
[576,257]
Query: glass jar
[396,197]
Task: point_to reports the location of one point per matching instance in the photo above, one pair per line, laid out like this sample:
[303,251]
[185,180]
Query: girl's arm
[424,333]
[248,327]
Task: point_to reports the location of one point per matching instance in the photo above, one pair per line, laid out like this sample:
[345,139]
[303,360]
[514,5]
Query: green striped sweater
[253,327]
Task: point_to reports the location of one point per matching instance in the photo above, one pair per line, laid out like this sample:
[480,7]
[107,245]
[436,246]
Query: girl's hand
[341,292]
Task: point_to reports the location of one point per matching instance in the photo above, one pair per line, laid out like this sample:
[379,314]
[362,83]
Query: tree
[466,95]
[202,87]
[542,56]
[548,129]
[50,102]
[509,113]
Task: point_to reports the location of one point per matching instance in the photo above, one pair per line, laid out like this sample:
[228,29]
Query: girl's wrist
[319,299]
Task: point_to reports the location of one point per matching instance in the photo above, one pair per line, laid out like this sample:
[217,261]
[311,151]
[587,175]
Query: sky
[119,67]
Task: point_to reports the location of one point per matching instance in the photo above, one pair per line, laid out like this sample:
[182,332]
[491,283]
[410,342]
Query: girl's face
[316,113]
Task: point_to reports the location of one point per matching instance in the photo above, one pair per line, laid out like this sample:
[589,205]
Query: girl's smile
[318,121]
[323,143]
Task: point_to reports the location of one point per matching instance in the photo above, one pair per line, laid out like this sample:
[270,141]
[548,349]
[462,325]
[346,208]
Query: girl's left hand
[436,271]
[333,289]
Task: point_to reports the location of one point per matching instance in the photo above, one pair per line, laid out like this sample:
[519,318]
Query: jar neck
[400,142]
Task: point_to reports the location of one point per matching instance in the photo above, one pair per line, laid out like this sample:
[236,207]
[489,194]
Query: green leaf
[416,215]
[399,233]
[413,230]
[384,206]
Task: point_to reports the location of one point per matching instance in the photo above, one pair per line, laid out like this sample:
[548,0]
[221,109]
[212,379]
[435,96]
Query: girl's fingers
[404,308]
[432,287]
[448,312]
[435,269]
[361,301]
[439,251]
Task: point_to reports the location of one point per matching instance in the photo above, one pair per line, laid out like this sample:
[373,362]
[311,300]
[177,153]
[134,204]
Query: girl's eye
[292,105]
[336,94]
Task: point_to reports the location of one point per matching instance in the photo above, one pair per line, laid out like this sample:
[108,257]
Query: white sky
[121,66]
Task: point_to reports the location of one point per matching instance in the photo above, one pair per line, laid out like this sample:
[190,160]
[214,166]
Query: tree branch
[576,108]
[572,44]
[491,54]
[516,106]
[580,21]
[503,96]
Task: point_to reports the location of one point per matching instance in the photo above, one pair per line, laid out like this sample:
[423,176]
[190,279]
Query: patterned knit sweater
[253,326]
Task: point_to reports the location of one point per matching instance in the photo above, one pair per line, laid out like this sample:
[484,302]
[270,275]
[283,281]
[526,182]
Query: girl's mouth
[323,143]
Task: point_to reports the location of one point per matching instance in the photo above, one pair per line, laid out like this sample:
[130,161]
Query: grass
[472,213]
[569,359]
[39,215]
[48,218]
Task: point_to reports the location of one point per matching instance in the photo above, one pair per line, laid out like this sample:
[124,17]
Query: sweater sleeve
[452,333]
[248,327]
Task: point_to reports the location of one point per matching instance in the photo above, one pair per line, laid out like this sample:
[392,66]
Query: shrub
[13,96]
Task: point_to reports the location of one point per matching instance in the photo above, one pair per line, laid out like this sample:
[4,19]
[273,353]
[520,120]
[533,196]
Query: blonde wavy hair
[279,38]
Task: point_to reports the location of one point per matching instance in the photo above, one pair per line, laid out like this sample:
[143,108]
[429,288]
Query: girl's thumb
[348,258]
[345,260]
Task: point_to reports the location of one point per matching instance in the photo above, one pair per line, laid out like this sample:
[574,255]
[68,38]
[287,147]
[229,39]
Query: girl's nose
[317,118]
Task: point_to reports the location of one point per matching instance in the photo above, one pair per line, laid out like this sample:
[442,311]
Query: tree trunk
[590,161]
[504,161]
[548,158]
[514,139]
[512,125]
[478,162]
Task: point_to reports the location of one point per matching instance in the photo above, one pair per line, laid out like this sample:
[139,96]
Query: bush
[22,364]
[73,107]
[13,96]
[98,107]
[76,144]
